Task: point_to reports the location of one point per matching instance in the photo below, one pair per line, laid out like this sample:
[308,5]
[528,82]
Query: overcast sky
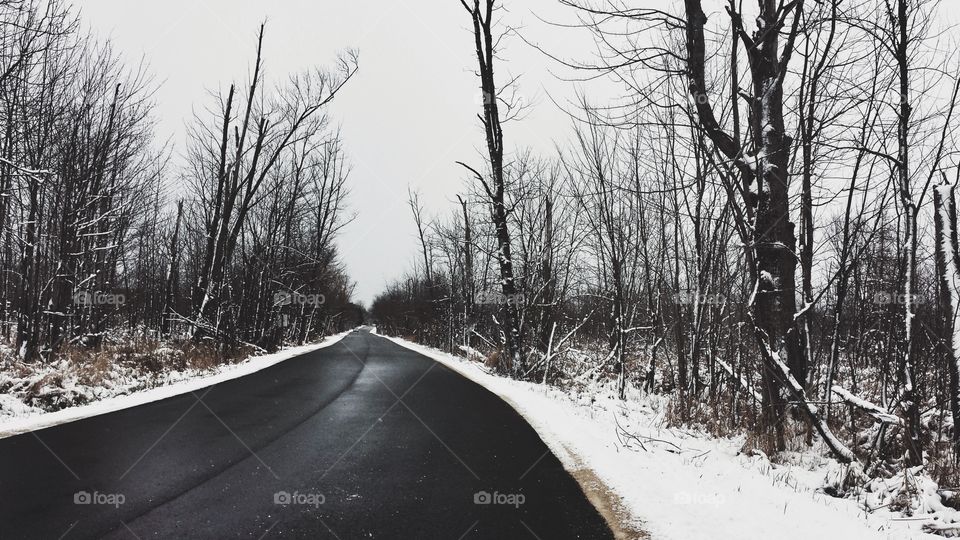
[407,117]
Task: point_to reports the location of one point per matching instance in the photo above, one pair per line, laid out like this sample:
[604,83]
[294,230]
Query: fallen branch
[756,395]
[877,412]
[625,436]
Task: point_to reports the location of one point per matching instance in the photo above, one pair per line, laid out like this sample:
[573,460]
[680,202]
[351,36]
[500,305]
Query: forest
[110,247]
[711,289]
[763,227]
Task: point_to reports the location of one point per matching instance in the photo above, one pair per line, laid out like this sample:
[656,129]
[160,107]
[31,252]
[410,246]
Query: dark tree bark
[467,285]
[909,399]
[764,169]
[172,280]
[481,15]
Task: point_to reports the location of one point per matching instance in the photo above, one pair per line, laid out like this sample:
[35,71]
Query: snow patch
[678,483]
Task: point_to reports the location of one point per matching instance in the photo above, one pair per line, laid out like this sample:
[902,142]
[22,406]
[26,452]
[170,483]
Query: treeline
[750,229]
[101,236]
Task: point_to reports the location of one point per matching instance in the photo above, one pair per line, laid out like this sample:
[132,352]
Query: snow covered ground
[18,417]
[684,485]
[671,483]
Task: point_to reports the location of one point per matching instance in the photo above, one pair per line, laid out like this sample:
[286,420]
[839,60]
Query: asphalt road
[363,439]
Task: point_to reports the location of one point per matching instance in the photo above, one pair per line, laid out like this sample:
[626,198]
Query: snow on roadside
[679,484]
[19,418]
[13,407]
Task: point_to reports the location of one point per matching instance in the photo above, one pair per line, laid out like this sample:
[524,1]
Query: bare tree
[482,15]
[229,169]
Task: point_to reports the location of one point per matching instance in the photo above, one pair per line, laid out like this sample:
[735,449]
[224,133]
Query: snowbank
[26,418]
[679,484]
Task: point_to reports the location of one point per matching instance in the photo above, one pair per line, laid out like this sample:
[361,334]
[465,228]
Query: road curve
[362,439]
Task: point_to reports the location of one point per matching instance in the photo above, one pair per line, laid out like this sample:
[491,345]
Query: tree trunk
[765,176]
[948,268]
[173,274]
[482,17]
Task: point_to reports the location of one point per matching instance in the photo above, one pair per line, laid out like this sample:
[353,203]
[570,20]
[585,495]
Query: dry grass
[79,374]
[493,360]
[718,419]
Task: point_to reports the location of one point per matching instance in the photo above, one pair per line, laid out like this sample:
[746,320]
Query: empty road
[362,439]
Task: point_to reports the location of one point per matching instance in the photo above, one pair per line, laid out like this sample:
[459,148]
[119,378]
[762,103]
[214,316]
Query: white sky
[407,117]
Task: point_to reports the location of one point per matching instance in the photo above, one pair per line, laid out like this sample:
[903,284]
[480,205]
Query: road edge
[603,498]
[248,366]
